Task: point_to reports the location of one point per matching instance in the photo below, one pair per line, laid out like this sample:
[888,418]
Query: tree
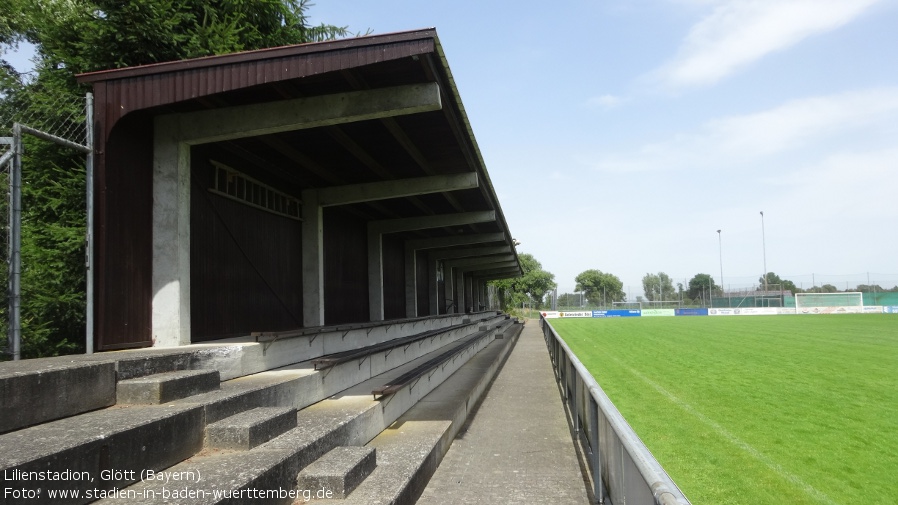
[701,286]
[90,35]
[658,287]
[531,286]
[778,283]
[571,300]
[79,36]
[600,288]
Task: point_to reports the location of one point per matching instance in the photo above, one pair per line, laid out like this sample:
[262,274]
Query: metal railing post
[597,488]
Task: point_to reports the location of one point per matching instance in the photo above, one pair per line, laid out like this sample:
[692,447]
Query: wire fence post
[89,240]
[15,245]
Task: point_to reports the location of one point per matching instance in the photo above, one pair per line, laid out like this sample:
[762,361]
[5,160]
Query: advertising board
[616,313]
[658,313]
[831,310]
[765,311]
[890,309]
[691,312]
[553,314]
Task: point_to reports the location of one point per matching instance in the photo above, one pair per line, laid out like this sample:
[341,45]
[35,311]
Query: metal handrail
[615,449]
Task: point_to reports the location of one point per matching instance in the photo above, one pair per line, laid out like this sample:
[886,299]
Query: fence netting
[45,120]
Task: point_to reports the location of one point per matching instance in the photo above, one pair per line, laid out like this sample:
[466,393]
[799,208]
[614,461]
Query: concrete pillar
[411,283]
[312,260]
[375,275]
[459,291]
[433,288]
[469,293]
[448,285]
[171,235]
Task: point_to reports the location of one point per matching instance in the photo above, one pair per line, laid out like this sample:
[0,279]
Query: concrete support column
[433,289]
[375,275]
[411,282]
[171,235]
[459,291]
[448,284]
[475,288]
[312,260]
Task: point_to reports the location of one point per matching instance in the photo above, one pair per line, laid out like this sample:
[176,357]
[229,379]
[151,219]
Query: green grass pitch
[756,409]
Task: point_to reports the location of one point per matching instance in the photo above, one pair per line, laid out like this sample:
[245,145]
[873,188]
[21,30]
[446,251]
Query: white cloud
[740,32]
[791,127]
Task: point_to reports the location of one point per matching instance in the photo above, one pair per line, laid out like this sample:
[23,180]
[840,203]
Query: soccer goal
[803,300]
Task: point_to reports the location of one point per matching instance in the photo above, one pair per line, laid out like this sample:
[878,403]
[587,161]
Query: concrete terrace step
[251,428]
[164,435]
[126,440]
[337,473]
[350,418]
[300,385]
[166,387]
[131,439]
[35,391]
[411,449]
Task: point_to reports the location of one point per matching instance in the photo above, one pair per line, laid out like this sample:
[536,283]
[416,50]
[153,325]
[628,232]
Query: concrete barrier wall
[620,465]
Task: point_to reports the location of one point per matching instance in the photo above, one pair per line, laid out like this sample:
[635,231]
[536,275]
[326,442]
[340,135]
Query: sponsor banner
[873,309]
[890,309]
[554,314]
[658,312]
[724,312]
[691,312]
[763,311]
[616,313]
[831,310]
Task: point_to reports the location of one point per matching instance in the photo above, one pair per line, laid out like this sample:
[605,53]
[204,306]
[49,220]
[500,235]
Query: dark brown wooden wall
[394,277]
[124,210]
[245,263]
[345,268]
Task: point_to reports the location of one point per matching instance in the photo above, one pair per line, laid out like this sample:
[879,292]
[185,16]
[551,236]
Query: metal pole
[15,246]
[720,249]
[764,245]
[89,247]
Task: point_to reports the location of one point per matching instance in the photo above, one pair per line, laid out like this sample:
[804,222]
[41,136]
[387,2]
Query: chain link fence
[39,116]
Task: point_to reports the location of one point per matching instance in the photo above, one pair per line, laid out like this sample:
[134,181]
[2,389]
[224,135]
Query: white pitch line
[733,439]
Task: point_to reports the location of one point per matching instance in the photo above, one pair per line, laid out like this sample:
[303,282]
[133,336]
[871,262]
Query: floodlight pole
[720,249]
[764,246]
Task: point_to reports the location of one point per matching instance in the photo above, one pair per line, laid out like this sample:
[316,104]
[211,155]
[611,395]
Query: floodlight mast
[720,248]
[764,246]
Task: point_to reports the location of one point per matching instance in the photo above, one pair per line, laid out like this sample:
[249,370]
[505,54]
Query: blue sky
[622,134]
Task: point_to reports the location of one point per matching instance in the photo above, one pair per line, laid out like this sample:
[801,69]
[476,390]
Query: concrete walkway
[518,447]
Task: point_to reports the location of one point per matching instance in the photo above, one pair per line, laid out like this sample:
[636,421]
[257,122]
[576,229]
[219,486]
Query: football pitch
[756,409]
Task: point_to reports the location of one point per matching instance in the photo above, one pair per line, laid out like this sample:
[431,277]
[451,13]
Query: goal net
[829,300]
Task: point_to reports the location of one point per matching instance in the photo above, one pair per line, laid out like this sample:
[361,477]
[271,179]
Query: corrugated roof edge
[258,54]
